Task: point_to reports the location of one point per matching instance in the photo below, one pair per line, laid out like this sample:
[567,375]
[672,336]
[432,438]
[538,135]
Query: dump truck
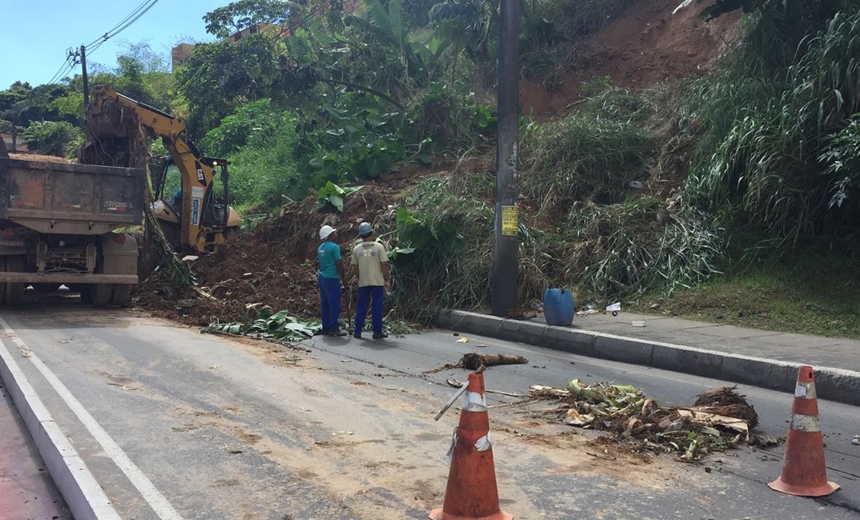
[64,223]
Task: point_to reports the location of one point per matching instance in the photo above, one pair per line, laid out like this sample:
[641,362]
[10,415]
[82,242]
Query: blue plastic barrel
[558,307]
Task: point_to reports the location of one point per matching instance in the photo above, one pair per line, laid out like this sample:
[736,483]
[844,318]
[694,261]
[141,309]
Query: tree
[244,14]
[9,98]
[50,137]
[219,77]
[237,129]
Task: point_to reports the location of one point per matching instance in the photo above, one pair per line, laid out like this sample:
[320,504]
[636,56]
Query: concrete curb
[82,493]
[833,384]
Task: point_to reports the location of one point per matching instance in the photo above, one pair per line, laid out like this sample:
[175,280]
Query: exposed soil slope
[646,45]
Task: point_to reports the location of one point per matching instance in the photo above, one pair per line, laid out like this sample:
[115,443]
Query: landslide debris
[274,265]
[721,418]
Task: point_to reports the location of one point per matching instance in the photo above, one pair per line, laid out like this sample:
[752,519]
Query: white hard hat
[325,231]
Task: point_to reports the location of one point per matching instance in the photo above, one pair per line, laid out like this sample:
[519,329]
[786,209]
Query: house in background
[180,54]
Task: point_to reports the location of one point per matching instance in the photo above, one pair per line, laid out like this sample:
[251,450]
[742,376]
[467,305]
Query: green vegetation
[268,324]
[810,291]
[713,198]
[52,137]
[444,248]
[775,142]
[582,158]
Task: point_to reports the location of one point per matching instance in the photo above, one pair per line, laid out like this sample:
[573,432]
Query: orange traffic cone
[471,493]
[803,471]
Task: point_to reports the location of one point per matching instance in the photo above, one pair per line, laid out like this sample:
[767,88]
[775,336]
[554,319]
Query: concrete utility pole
[84,75]
[506,248]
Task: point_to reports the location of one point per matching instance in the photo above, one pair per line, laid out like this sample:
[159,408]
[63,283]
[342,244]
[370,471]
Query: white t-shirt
[369,257]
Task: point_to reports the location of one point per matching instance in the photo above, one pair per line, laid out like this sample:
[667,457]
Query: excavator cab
[216,219]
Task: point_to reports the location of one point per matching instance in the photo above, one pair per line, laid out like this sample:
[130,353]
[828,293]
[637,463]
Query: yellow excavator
[190,190]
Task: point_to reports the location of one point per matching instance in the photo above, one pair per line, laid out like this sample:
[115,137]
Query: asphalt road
[176,424]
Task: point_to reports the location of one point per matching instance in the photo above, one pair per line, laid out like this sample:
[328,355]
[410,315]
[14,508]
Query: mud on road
[369,438]
[333,428]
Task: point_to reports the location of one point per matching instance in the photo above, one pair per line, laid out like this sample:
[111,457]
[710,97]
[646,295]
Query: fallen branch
[721,418]
[473,361]
[458,384]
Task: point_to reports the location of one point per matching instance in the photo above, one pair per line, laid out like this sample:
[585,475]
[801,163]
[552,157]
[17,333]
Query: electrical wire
[136,18]
[59,72]
[66,67]
[122,25]
[73,59]
[107,33]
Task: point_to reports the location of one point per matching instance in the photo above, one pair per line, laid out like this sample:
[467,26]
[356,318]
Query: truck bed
[79,199]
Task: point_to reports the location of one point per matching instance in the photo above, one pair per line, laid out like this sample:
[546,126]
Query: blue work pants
[329,302]
[364,294]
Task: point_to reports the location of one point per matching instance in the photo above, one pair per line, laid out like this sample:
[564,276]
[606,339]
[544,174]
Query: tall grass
[642,245]
[446,232]
[764,156]
[586,156]
[602,252]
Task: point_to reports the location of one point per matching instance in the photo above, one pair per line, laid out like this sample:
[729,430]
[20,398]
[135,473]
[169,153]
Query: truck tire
[12,291]
[117,257]
[100,294]
[86,293]
[3,285]
[104,294]
[121,295]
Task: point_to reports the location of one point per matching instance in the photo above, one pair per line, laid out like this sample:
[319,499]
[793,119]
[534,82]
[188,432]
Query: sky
[37,33]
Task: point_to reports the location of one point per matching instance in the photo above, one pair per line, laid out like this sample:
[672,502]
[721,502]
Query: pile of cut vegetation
[720,418]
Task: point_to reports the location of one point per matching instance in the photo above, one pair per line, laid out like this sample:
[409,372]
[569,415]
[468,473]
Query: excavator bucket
[114,135]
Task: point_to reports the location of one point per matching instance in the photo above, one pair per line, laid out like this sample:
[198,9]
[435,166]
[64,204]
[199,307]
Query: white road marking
[84,497]
[139,480]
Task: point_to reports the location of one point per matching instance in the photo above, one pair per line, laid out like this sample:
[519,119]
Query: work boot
[379,335]
[356,335]
[337,332]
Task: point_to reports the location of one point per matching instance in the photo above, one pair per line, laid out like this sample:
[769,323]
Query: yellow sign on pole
[510,221]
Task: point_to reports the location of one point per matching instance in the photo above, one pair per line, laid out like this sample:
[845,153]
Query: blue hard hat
[364,229]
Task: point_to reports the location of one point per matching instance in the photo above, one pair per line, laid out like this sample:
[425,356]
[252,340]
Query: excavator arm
[203,216]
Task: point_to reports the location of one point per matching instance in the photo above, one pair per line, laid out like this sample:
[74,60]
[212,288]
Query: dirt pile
[275,265]
[644,46]
[37,157]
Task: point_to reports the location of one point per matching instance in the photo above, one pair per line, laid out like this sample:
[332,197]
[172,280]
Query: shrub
[581,158]
[768,155]
[264,173]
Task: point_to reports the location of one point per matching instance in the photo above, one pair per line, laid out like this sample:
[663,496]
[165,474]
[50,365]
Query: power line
[67,66]
[73,57]
[107,34]
[59,71]
[122,25]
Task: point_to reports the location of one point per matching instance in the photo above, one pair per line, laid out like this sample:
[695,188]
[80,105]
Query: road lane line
[82,493]
[139,480]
